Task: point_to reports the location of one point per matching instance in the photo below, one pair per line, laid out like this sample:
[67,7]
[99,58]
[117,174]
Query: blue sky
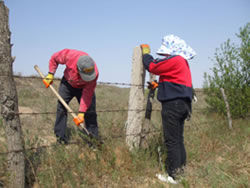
[109,30]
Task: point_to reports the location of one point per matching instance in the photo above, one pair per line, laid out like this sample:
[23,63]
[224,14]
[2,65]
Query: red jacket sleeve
[58,58]
[87,94]
[160,66]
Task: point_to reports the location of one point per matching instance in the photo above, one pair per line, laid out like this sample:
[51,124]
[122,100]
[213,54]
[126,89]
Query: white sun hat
[173,45]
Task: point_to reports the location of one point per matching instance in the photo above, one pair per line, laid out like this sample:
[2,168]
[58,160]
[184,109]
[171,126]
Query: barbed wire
[78,142]
[98,82]
[97,111]
[59,79]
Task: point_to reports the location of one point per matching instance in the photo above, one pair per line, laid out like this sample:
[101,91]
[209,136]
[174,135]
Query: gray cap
[86,68]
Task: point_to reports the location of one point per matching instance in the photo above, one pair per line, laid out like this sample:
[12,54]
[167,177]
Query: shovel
[82,125]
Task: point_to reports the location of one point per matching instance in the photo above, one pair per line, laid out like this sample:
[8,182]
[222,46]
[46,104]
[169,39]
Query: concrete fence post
[136,101]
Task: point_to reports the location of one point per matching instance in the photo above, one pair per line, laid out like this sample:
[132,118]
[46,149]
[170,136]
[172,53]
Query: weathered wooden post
[136,101]
[227,108]
[9,105]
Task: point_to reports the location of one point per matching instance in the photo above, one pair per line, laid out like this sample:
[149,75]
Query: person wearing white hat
[175,94]
[79,80]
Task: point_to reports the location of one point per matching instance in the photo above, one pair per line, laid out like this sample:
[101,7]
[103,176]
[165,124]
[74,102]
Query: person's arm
[156,67]
[160,66]
[87,94]
[56,59]
[194,95]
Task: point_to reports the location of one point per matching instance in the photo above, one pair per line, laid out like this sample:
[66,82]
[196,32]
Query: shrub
[231,72]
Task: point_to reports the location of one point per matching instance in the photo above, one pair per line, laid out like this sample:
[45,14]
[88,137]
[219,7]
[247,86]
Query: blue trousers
[67,92]
[174,113]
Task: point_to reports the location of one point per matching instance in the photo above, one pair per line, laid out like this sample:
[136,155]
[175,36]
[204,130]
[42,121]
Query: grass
[216,156]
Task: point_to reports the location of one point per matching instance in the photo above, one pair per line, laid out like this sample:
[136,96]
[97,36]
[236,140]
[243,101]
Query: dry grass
[217,157]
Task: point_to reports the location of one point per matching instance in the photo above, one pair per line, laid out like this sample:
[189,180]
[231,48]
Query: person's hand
[48,80]
[145,49]
[195,99]
[79,118]
[152,85]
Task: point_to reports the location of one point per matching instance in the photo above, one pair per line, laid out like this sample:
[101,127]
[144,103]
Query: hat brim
[163,50]
[88,77]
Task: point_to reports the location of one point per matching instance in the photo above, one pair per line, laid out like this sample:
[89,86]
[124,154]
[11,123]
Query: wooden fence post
[227,108]
[9,105]
[136,101]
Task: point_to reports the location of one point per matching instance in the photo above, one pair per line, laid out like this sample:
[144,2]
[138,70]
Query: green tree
[231,72]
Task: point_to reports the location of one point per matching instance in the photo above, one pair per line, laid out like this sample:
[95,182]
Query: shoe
[166,178]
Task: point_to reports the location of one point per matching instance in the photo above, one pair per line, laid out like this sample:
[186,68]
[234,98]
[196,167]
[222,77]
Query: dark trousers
[67,92]
[174,113]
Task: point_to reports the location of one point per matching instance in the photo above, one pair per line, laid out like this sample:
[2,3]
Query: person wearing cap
[79,80]
[175,94]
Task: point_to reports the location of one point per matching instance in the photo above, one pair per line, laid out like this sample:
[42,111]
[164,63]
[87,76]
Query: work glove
[145,49]
[195,99]
[79,118]
[48,80]
[152,85]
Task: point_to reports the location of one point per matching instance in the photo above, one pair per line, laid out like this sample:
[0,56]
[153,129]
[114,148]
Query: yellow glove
[145,49]
[48,80]
[79,118]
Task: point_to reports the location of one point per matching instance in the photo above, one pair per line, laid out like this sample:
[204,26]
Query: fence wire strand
[98,82]
[97,111]
[78,142]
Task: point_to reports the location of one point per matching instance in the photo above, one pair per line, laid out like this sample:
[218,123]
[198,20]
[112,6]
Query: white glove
[195,99]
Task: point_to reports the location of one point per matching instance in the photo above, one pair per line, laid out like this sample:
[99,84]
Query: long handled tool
[61,100]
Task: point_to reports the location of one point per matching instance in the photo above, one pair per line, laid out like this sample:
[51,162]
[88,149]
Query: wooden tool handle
[61,99]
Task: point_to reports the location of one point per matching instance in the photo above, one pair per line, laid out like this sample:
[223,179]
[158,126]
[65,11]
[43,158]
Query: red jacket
[175,79]
[69,58]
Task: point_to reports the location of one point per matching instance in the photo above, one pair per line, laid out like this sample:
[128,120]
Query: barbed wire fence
[154,130]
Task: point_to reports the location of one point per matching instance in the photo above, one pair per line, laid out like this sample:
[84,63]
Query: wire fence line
[78,142]
[98,82]
[59,79]
[98,111]
[153,130]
